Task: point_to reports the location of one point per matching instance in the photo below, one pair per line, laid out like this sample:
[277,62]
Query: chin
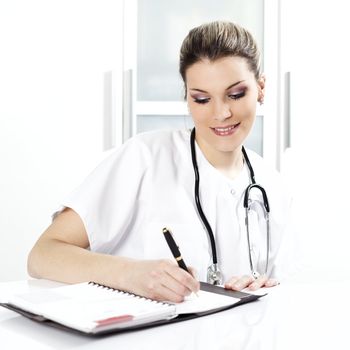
[228,145]
[228,149]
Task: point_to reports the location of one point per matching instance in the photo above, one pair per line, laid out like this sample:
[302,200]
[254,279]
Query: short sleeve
[108,199]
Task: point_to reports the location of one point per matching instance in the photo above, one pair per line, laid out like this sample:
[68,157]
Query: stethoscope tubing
[245,204]
[197,200]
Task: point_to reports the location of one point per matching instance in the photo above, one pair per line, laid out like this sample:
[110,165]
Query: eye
[237,96]
[201,100]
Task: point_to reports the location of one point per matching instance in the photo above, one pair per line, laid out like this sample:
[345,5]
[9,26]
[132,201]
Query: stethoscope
[213,273]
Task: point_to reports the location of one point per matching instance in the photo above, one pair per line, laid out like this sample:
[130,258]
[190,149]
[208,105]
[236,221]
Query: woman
[109,229]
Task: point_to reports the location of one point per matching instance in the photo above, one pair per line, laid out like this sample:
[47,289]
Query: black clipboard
[243,296]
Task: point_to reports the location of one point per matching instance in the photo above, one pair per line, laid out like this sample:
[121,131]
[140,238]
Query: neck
[229,163]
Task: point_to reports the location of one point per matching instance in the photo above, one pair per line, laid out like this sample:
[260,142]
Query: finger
[231,282]
[181,281]
[163,293]
[242,282]
[271,282]
[175,285]
[258,283]
[193,272]
[162,286]
[161,276]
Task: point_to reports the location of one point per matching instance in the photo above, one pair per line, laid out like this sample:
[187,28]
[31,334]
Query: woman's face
[222,97]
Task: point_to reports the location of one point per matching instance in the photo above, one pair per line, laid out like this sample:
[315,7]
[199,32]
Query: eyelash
[234,97]
[237,96]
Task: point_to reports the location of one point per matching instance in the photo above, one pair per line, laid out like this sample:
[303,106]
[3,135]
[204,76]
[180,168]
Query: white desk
[298,315]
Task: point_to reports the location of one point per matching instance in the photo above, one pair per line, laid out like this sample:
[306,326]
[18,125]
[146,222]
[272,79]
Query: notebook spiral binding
[99,285]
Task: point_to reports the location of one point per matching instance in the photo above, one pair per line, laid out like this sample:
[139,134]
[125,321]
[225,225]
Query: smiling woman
[220,66]
[120,211]
[222,96]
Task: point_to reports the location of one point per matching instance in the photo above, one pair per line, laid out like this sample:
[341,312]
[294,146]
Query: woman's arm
[61,254]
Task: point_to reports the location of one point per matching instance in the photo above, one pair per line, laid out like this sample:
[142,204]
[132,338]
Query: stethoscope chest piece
[214,275]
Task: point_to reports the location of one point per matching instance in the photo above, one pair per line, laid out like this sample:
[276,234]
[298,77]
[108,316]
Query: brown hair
[217,40]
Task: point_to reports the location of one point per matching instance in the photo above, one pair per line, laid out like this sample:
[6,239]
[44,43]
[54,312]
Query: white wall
[54,54]
[317,53]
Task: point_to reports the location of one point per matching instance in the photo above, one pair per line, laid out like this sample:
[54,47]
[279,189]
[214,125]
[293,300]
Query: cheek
[198,112]
[245,108]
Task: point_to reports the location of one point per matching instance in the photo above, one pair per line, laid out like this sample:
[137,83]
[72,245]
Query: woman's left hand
[240,282]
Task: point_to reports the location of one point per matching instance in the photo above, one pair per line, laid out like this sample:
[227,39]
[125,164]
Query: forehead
[224,71]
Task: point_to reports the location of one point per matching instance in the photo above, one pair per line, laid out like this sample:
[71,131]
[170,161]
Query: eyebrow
[229,87]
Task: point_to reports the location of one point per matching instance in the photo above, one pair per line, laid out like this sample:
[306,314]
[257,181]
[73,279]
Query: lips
[225,131]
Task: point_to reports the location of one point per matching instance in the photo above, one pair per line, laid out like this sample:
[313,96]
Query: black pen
[174,249]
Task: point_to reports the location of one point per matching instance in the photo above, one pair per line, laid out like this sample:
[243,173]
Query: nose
[222,111]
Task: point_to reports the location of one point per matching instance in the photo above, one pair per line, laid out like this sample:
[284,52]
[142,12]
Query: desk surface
[297,315]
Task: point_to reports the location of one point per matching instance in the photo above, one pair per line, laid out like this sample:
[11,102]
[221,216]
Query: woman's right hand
[161,280]
[60,254]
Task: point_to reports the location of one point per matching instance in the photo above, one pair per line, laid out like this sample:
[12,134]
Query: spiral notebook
[94,309]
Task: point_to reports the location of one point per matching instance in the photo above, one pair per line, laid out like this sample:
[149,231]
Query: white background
[53,58]
[315,49]
[54,55]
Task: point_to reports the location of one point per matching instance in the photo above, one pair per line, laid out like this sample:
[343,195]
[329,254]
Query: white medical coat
[148,184]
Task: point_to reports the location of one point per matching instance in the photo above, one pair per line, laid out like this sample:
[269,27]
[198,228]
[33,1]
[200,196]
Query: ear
[261,88]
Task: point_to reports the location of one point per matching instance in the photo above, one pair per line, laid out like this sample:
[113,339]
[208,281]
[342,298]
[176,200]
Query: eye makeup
[237,92]
[234,92]
[234,95]
[237,95]
[200,100]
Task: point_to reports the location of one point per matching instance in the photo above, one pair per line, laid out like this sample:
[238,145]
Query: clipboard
[242,297]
